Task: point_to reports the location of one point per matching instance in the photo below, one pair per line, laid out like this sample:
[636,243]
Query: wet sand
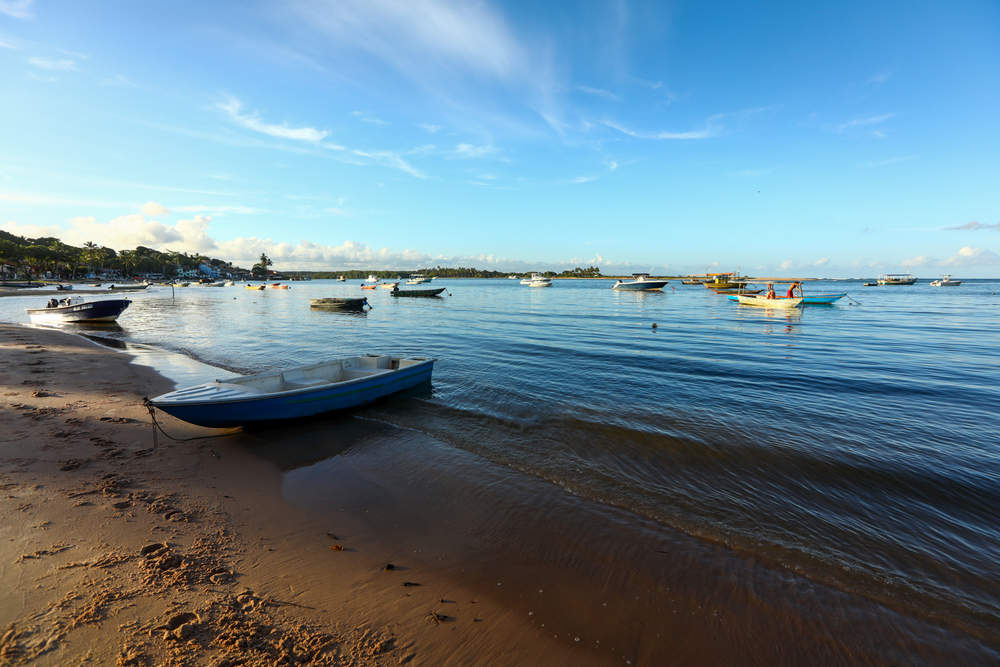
[344,540]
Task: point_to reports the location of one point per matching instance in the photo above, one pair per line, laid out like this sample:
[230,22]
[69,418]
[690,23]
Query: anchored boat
[808,299]
[417,292]
[77,309]
[764,302]
[896,279]
[297,392]
[337,303]
[640,282]
[946,281]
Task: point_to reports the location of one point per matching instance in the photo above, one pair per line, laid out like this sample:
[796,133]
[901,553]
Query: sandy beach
[225,551]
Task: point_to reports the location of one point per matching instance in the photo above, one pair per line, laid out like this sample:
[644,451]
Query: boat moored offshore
[78,309]
[640,282]
[945,281]
[896,279]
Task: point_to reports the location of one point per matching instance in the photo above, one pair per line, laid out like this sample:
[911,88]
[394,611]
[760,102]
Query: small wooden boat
[280,286]
[138,287]
[764,302]
[691,281]
[946,281]
[255,287]
[298,392]
[76,309]
[389,285]
[809,299]
[641,282]
[417,292]
[365,286]
[335,303]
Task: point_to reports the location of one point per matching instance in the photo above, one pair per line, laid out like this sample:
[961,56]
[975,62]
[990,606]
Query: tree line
[32,258]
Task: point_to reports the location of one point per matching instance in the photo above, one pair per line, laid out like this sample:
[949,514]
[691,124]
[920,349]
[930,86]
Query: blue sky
[835,139]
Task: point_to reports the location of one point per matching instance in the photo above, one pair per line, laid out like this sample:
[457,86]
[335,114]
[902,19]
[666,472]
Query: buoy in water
[654,325]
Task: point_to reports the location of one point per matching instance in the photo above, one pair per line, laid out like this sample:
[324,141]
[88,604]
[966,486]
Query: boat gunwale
[288,392]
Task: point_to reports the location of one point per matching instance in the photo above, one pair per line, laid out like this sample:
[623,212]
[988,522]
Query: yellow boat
[255,287]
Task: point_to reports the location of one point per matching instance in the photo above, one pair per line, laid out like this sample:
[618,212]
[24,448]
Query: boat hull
[647,286]
[339,304]
[106,310]
[764,302]
[417,292]
[298,405]
[812,299]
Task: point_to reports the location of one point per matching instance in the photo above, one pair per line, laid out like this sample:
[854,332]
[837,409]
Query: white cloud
[54,64]
[428,127]
[6,45]
[579,180]
[19,9]
[822,261]
[234,109]
[975,226]
[473,151]
[864,122]
[153,210]
[712,129]
[919,260]
[366,117]
[118,80]
[969,256]
[390,159]
[599,92]
[888,161]
[787,264]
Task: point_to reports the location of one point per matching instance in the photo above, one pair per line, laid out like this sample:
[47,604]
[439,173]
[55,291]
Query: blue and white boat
[297,392]
[810,299]
[78,309]
[641,282]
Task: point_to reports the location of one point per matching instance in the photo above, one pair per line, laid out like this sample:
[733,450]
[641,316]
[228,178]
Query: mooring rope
[158,427]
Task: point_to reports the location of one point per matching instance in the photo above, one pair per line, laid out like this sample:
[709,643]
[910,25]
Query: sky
[838,139]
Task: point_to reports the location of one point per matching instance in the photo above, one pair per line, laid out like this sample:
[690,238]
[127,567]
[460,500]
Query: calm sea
[858,444]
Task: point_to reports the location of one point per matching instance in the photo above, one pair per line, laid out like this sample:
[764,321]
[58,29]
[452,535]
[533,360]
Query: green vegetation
[32,258]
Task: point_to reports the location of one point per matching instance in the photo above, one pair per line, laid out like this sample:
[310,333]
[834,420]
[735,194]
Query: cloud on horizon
[975,226]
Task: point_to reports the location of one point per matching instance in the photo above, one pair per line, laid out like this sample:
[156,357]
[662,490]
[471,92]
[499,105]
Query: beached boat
[293,393]
[641,282]
[896,279]
[946,281]
[255,287]
[809,299]
[418,279]
[417,292]
[77,309]
[339,303]
[764,302]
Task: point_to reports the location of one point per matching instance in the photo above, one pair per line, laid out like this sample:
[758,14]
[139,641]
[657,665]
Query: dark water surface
[856,444]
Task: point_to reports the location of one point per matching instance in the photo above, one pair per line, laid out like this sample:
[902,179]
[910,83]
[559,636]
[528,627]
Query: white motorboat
[946,281]
[640,282]
[418,279]
[513,277]
[538,280]
[372,279]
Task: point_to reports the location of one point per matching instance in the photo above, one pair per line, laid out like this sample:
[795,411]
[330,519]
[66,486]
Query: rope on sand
[158,427]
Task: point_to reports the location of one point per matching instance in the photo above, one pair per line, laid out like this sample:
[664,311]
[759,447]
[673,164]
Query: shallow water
[856,444]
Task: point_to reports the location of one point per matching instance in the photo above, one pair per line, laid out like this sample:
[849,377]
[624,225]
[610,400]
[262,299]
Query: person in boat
[53,303]
[791,290]
[770,292]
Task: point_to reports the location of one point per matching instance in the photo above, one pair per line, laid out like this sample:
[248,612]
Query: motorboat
[340,303]
[640,282]
[513,277]
[341,278]
[418,279]
[434,291]
[538,280]
[946,281]
[764,302]
[63,288]
[390,285]
[896,279]
[871,284]
[297,392]
[372,279]
[77,309]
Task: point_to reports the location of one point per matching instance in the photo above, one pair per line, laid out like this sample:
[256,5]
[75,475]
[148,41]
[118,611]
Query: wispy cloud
[251,121]
[428,127]
[4,44]
[366,117]
[579,180]
[888,161]
[866,121]
[599,92]
[390,159]
[55,64]
[712,129]
[118,80]
[879,78]
[975,226]
[19,9]
[473,151]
